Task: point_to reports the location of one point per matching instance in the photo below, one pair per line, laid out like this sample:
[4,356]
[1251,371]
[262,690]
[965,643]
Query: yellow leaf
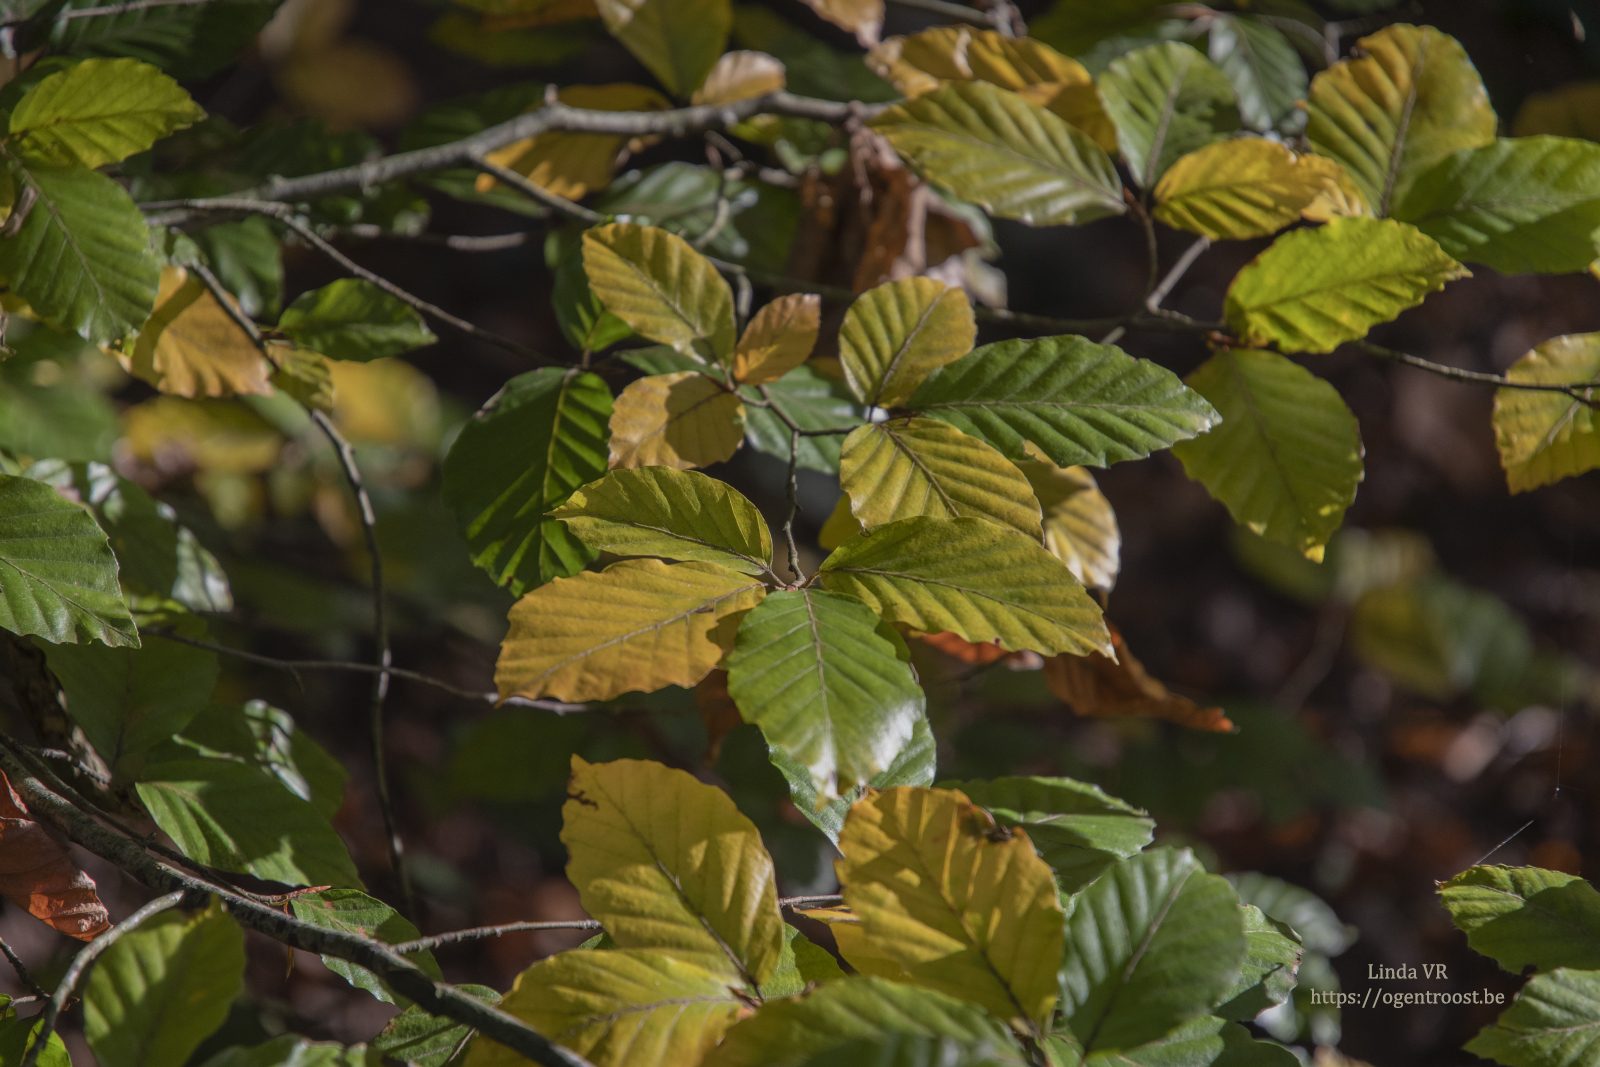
[667,862]
[965,907]
[1572,110]
[922,62]
[779,338]
[907,467]
[1544,437]
[1080,529]
[385,402]
[677,420]
[350,83]
[658,284]
[858,950]
[864,18]
[618,1008]
[169,433]
[897,334]
[637,626]
[192,347]
[741,76]
[840,525]
[305,375]
[1339,198]
[572,165]
[1238,189]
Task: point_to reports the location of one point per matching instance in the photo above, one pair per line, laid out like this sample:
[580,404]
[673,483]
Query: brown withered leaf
[1097,686]
[964,651]
[37,873]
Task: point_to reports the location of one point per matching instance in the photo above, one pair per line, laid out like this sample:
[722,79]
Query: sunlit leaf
[1554,1022]
[1288,456]
[1530,205]
[667,862]
[1099,686]
[1526,916]
[39,875]
[638,625]
[972,578]
[1077,401]
[1409,98]
[779,338]
[1302,911]
[864,18]
[1009,156]
[677,420]
[1152,942]
[573,165]
[658,284]
[163,988]
[895,335]
[99,111]
[680,515]
[904,468]
[291,1050]
[1080,529]
[354,319]
[58,578]
[1166,100]
[1544,437]
[677,40]
[829,685]
[1206,1040]
[913,765]
[1237,189]
[192,347]
[537,440]
[1271,964]
[1312,290]
[740,75]
[965,910]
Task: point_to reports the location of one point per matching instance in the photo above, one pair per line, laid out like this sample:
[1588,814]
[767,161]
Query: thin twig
[405,977]
[1174,275]
[79,968]
[947,10]
[793,505]
[21,968]
[537,193]
[456,242]
[1583,392]
[368,518]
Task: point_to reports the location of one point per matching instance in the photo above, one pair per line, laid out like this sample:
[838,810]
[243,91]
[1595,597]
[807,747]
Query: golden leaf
[779,338]
[677,420]
[1101,687]
[192,347]
[573,165]
[740,75]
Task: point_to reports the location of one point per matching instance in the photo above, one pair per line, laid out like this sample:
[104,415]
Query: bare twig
[79,968]
[537,193]
[1586,393]
[1174,275]
[22,969]
[792,504]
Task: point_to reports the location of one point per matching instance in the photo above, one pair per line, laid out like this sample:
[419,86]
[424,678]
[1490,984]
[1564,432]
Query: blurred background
[1423,700]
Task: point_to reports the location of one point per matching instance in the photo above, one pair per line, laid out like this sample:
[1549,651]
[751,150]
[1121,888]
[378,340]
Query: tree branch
[1583,392]
[404,976]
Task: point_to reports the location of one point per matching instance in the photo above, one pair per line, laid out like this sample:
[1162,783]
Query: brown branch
[1583,392]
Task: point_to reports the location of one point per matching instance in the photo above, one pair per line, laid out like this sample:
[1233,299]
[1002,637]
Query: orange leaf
[1097,686]
[959,648]
[37,873]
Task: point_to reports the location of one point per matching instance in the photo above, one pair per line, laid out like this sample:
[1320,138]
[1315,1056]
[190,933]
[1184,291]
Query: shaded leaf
[1011,157]
[1313,290]
[1271,963]
[677,420]
[99,111]
[1544,437]
[1080,529]
[1262,64]
[354,319]
[638,625]
[678,515]
[904,468]
[192,347]
[1166,100]
[188,40]
[895,335]
[677,40]
[1237,189]
[1099,686]
[1554,1022]
[1287,458]
[416,1037]
[351,911]
[38,875]
[779,338]
[531,445]
[1409,98]
[667,862]
[1316,924]
[1077,401]
[1206,1041]
[814,402]
[1571,110]
[1526,917]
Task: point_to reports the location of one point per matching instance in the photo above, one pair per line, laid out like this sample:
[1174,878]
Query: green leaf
[163,988]
[1312,290]
[536,441]
[423,1040]
[751,222]
[584,321]
[828,683]
[1077,401]
[619,1007]
[291,1050]
[16,1034]
[972,578]
[788,1032]
[680,515]
[1410,98]
[268,737]
[1287,458]
[667,862]
[1530,205]
[247,259]
[1079,830]
[896,334]
[1206,1041]
[351,911]
[908,467]
[1544,437]
[1554,1022]
[1271,962]
[639,625]
[915,1050]
[802,963]
[1005,154]
[1080,529]
[130,700]
[1166,101]
[677,40]
[1154,941]
[1241,188]
[232,815]
[58,578]
[1526,917]
[187,40]
[1266,71]
[354,319]
[661,287]
[99,111]
[81,257]
[914,765]
[814,402]
[1316,924]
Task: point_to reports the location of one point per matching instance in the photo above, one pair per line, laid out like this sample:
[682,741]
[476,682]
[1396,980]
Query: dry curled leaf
[37,873]
[964,651]
[1097,686]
